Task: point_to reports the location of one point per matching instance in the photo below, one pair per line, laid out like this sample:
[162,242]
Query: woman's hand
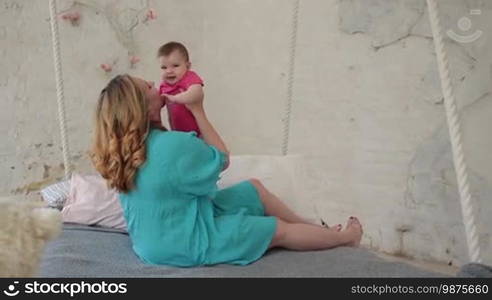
[209,134]
[164,99]
[196,106]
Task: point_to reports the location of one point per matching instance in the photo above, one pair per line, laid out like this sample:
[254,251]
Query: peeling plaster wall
[367,106]
[378,134]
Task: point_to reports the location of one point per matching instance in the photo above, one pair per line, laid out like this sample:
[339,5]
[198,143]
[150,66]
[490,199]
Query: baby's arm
[193,94]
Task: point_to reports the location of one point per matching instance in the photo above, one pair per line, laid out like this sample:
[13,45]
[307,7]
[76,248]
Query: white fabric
[56,194]
[91,202]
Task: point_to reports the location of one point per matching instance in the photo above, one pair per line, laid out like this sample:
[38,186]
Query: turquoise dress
[176,216]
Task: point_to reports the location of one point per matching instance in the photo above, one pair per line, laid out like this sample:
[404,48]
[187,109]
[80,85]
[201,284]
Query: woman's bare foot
[337,227]
[354,229]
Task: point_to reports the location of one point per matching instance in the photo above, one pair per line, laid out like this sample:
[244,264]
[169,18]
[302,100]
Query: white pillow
[56,194]
[91,202]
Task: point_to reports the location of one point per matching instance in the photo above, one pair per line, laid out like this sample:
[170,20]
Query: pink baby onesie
[180,118]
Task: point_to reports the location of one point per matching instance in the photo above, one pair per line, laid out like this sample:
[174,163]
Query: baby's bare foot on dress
[354,229]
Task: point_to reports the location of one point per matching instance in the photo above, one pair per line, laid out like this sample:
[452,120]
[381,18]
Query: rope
[59,87]
[455,135]
[290,81]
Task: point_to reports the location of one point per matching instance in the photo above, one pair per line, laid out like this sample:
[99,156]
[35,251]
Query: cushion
[91,202]
[56,194]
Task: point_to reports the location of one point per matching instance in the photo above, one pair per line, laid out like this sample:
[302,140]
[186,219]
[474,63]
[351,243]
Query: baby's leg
[275,207]
[309,237]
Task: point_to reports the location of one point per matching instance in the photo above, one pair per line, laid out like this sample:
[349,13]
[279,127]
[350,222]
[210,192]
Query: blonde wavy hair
[121,127]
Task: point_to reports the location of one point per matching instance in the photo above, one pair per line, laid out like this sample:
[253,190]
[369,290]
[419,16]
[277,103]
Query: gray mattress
[84,251]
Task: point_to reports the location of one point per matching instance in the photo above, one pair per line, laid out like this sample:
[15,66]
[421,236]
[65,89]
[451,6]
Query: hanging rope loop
[290,80]
[455,135]
[60,97]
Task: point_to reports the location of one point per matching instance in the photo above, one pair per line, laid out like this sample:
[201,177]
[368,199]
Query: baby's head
[174,61]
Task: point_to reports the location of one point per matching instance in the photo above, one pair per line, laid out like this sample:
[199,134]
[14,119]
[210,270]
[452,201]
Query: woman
[167,188]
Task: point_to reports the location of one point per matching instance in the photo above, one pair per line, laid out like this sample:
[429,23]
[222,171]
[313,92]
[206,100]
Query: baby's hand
[172,98]
[193,94]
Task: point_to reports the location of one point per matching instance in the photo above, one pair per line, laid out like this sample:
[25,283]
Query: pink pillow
[90,202]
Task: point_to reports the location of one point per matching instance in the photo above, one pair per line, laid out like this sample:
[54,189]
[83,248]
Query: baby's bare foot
[354,229]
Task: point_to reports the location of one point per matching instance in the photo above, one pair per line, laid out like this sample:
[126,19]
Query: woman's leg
[309,237]
[275,207]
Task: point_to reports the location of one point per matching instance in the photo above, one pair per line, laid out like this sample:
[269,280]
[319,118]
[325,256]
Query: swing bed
[89,251]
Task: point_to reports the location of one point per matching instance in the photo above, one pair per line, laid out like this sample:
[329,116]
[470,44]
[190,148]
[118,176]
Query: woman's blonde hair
[121,127]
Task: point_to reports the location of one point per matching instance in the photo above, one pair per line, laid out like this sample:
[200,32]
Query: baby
[179,85]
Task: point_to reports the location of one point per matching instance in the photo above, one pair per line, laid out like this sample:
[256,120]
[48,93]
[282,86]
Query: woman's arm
[209,134]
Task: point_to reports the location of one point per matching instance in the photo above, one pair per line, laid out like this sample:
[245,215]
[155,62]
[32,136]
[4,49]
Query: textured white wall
[368,93]
[367,107]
